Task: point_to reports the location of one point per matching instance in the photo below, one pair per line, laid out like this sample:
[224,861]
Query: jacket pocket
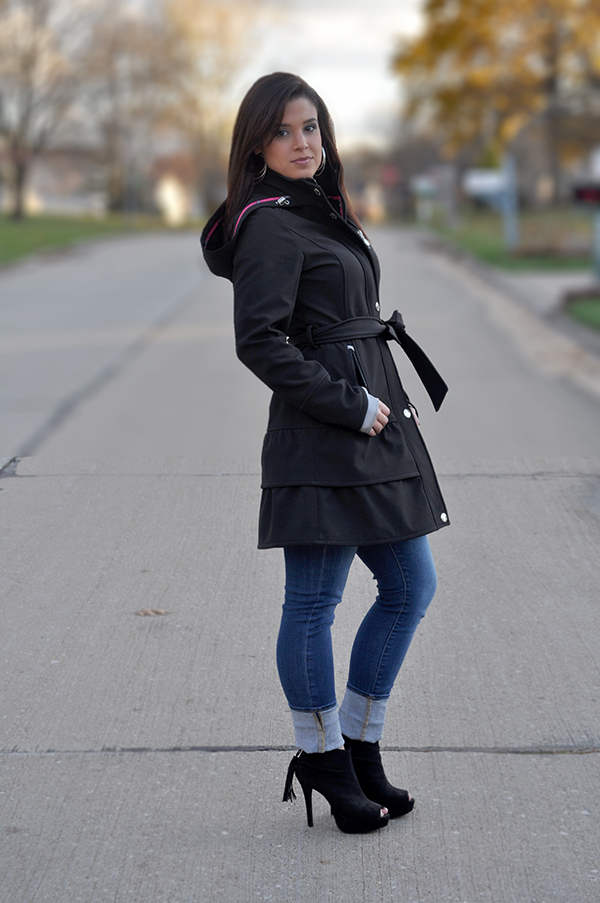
[361,378]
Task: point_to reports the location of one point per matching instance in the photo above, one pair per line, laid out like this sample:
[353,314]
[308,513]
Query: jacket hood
[218,253]
[273,191]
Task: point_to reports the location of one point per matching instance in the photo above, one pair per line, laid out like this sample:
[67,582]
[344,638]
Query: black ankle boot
[332,775]
[366,760]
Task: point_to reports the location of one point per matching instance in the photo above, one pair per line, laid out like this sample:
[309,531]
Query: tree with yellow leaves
[481,70]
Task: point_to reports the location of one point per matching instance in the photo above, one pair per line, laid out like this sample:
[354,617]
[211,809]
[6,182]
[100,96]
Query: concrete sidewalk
[542,293]
[144,756]
[68,326]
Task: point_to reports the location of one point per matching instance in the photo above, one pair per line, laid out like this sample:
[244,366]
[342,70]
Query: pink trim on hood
[336,197]
[253,204]
[218,223]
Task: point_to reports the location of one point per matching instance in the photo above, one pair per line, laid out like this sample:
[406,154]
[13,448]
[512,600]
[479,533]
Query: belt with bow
[369,327]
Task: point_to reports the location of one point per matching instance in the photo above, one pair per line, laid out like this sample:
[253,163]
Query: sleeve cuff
[371,414]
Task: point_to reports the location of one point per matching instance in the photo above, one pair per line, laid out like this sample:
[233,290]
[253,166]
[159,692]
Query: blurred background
[466,126]
[446,110]
[111,107]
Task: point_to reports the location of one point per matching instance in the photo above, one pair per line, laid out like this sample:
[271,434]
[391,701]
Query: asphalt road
[126,348]
[142,757]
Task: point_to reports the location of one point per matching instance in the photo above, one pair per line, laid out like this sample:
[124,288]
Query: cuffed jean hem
[317,732]
[362,717]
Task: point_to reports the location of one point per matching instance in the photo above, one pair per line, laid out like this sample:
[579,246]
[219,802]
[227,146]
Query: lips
[302,160]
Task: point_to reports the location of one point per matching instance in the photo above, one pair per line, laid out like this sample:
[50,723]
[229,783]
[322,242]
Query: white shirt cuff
[371,414]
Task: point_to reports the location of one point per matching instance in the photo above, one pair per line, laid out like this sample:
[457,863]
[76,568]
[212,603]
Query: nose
[300,139]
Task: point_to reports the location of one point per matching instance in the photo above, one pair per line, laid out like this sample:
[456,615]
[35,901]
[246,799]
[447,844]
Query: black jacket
[307,323]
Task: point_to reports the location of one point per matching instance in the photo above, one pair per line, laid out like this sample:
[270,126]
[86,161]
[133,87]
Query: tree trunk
[115,190]
[553,143]
[554,66]
[20,168]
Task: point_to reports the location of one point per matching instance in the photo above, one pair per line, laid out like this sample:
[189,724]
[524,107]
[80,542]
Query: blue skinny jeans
[315,580]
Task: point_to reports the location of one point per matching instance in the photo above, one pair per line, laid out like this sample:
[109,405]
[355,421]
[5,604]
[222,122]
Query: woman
[344,468]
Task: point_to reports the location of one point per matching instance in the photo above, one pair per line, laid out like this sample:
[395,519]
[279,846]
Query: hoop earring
[322,164]
[260,175]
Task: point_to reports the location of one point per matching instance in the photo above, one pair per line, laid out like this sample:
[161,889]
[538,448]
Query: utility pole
[510,203]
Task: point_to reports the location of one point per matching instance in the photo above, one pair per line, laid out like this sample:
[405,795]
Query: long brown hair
[259,116]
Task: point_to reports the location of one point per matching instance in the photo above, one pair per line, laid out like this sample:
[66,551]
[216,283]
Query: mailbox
[587,194]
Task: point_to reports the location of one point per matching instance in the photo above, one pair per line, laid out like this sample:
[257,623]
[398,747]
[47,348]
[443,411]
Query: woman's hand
[381,419]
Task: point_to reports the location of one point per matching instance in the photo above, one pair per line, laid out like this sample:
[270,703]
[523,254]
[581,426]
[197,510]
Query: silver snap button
[443,516]
[377,305]
[406,412]
[333,216]
[317,191]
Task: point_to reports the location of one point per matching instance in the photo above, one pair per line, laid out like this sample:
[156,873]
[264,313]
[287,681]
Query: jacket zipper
[360,373]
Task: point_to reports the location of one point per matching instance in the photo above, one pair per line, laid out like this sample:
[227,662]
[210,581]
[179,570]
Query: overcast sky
[343,48]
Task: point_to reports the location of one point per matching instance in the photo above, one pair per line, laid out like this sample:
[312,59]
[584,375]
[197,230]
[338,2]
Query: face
[295,150]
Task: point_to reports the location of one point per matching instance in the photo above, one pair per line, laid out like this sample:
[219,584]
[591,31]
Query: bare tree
[38,80]
[126,77]
[160,75]
[208,43]
[127,71]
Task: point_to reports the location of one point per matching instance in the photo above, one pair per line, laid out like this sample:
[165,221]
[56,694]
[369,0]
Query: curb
[588,339]
[550,342]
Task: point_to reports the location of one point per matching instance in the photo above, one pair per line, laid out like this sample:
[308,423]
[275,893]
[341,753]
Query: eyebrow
[306,121]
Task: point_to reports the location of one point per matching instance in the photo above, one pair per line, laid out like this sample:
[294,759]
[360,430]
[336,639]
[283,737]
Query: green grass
[555,239]
[586,310]
[53,233]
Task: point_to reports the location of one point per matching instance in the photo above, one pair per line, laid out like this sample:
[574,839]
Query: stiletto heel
[307,791]
[332,775]
[366,759]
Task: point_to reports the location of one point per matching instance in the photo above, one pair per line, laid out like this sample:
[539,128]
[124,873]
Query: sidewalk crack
[171,750]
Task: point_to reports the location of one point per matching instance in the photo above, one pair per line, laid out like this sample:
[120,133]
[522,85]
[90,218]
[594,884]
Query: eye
[311,128]
[281,133]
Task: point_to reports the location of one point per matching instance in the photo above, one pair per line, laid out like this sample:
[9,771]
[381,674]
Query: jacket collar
[320,197]
[303,191]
